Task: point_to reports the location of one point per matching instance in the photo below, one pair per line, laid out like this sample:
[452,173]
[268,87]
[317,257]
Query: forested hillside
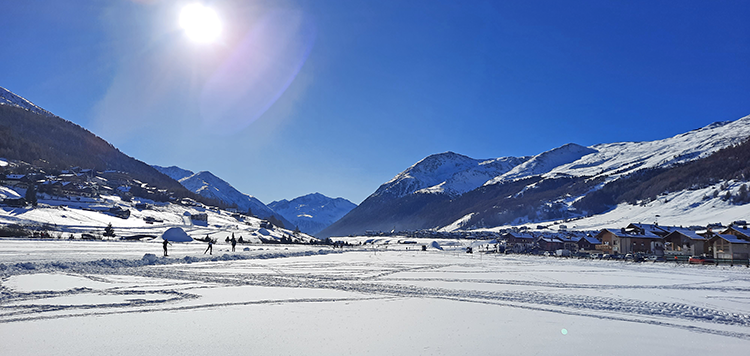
[52,143]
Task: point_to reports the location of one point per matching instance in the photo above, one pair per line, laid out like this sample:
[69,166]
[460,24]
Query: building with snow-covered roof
[588,243]
[739,231]
[518,241]
[730,246]
[549,243]
[622,241]
[685,242]
[656,229]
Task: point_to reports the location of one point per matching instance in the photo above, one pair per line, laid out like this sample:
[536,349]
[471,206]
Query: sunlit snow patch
[51,282]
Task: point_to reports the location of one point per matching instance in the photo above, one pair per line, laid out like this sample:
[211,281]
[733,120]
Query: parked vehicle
[701,260]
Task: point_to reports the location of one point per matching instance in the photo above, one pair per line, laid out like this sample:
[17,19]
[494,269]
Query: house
[549,243]
[519,241]
[685,242]
[656,229]
[52,187]
[621,241]
[588,243]
[739,231]
[730,246]
[16,180]
[199,219]
[569,243]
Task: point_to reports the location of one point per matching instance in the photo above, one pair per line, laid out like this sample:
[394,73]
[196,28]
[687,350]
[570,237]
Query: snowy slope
[11,99]
[64,217]
[174,172]
[449,173]
[313,212]
[546,161]
[614,160]
[210,186]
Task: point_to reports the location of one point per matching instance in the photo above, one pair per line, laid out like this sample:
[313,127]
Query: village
[713,244]
[77,183]
[638,242]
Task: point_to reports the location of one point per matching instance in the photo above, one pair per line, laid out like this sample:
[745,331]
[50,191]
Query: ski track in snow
[180,280]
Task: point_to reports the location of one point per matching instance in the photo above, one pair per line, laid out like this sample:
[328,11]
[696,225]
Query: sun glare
[201,23]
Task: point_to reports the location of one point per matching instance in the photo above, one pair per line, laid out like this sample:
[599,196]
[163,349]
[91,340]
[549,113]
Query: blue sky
[339,96]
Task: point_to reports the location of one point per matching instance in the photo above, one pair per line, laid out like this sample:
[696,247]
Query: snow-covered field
[105,297]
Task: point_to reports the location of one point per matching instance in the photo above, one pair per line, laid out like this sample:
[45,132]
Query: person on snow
[165,247]
[210,248]
[234,242]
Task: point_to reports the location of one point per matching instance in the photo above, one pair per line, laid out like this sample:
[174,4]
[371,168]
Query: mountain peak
[9,98]
[446,173]
[312,212]
[174,172]
[545,162]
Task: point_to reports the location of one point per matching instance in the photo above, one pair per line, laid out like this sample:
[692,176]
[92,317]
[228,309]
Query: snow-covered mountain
[614,160]
[447,173]
[174,172]
[544,187]
[313,212]
[9,98]
[545,162]
[210,186]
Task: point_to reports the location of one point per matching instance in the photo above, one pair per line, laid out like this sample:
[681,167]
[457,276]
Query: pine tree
[109,231]
[742,196]
[31,195]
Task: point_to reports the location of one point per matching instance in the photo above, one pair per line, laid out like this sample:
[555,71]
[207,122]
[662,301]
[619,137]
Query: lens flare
[258,71]
[200,23]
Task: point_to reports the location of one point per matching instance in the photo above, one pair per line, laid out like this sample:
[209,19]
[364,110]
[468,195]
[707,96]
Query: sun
[200,23]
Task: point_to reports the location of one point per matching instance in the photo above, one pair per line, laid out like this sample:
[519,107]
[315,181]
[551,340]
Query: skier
[210,248]
[234,242]
[165,247]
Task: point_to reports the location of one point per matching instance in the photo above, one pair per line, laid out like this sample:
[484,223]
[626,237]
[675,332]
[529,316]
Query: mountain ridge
[10,98]
[312,212]
[538,188]
[210,186]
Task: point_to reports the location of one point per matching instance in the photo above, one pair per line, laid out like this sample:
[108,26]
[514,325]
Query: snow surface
[176,234]
[381,299]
